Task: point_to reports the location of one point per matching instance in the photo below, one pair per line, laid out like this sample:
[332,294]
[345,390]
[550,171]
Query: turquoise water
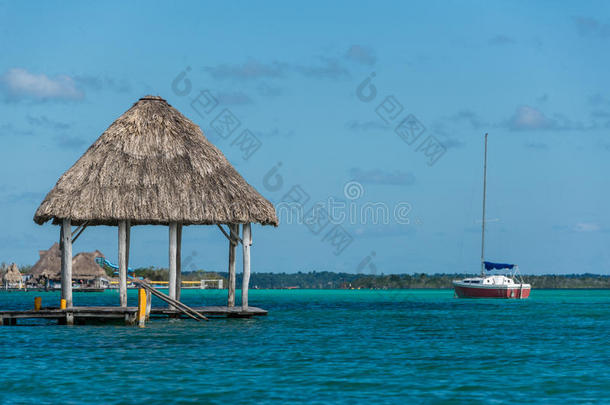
[320,346]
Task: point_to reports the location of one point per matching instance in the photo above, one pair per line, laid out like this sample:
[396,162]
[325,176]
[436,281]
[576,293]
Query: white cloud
[526,117]
[18,83]
[586,227]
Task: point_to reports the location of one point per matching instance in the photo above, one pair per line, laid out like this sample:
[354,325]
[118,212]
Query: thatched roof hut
[84,266]
[12,275]
[48,264]
[154,166]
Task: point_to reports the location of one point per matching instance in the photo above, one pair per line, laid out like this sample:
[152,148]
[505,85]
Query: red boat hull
[477,292]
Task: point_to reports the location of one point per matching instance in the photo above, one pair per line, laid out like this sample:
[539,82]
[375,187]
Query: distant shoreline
[316,280]
[335,281]
[76,291]
[331,280]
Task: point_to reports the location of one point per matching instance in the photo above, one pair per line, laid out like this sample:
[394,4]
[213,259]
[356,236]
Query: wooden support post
[148,304]
[69,318]
[234,234]
[66,262]
[127,244]
[131,319]
[247,241]
[142,307]
[78,231]
[173,241]
[123,261]
[178,261]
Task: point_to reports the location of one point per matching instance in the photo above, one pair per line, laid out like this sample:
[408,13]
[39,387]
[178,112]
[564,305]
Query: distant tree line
[332,280]
[162,274]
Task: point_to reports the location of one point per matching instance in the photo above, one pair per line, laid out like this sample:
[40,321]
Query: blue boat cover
[497,266]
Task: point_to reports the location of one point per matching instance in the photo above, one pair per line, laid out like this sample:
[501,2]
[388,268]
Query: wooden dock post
[131,318]
[127,244]
[142,305]
[178,261]
[246,242]
[66,261]
[37,303]
[69,317]
[123,261]
[234,234]
[173,242]
[148,304]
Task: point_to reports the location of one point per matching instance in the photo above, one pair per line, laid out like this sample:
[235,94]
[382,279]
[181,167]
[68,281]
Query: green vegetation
[152,273]
[331,280]
[25,269]
[109,270]
[162,274]
[326,279]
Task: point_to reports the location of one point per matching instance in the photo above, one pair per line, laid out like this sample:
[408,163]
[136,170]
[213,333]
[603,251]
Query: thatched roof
[12,275]
[83,265]
[49,263]
[154,166]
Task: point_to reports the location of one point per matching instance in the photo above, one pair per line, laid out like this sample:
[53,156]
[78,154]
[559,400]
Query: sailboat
[510,285]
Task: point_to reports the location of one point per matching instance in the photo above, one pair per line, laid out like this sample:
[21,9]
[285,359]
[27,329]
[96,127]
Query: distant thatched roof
[49,262]
[13,275]
[154,166]
[83,265]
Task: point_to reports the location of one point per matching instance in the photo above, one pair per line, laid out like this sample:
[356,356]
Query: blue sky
[532,74]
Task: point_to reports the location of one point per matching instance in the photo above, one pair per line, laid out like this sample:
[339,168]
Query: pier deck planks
[9,317]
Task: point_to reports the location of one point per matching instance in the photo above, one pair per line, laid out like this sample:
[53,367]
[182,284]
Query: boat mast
[483,221]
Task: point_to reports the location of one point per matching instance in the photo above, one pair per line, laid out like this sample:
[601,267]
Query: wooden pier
[114,314]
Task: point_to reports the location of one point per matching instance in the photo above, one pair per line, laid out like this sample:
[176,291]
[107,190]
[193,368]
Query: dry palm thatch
[84,266]
[49,264]
[13,275]
[154,166]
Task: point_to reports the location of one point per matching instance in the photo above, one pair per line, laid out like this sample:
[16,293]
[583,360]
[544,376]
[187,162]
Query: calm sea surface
[320,346]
